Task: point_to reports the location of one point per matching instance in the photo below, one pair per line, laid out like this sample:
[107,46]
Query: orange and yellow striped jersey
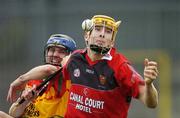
[49,105]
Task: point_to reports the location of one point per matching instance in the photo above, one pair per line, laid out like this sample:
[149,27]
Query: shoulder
[75,57]
[117,57]
[78,51]
[119,64]
[77,54]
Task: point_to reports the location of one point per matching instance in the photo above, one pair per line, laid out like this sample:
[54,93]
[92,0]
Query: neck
[93,55]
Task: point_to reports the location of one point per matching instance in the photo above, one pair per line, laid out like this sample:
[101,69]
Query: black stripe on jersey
[98,76]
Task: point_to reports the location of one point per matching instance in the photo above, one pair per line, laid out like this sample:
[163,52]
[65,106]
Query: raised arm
[148,93]
[38,72]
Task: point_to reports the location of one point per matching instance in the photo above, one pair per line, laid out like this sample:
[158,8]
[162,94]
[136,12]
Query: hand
[150,71]
[15,86]
[29,93]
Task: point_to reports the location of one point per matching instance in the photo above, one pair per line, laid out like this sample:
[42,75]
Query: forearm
[148,93]
[150,97]
[39,72]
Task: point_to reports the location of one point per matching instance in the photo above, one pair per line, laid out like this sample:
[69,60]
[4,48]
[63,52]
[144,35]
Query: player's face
[55,55]
[101,36]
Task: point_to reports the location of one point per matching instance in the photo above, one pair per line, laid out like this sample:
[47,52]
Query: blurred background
[150,28]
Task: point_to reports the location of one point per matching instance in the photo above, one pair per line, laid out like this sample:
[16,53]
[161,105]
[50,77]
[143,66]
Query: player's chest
[98,76]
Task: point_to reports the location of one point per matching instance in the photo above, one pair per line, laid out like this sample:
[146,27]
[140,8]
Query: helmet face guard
[65,43]
[104,21]
[99,49]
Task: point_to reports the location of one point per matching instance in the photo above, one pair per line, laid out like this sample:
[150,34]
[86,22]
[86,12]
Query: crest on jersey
[76,72]
[102,79]
[85,91]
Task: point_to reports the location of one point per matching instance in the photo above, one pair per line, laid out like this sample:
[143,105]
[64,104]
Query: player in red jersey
[103,82]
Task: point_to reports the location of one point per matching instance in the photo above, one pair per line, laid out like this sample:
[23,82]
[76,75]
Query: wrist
[149,85]
[148,81]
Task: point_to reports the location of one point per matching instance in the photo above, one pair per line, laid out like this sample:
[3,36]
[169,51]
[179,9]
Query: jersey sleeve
[31,83]
[131,79]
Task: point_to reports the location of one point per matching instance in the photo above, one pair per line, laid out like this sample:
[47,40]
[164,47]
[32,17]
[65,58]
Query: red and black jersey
[100,89]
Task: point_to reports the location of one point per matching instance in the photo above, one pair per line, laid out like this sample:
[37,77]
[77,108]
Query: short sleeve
[131,79]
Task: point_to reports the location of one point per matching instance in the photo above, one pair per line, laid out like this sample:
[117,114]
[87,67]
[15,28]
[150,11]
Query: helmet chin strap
[99,50]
